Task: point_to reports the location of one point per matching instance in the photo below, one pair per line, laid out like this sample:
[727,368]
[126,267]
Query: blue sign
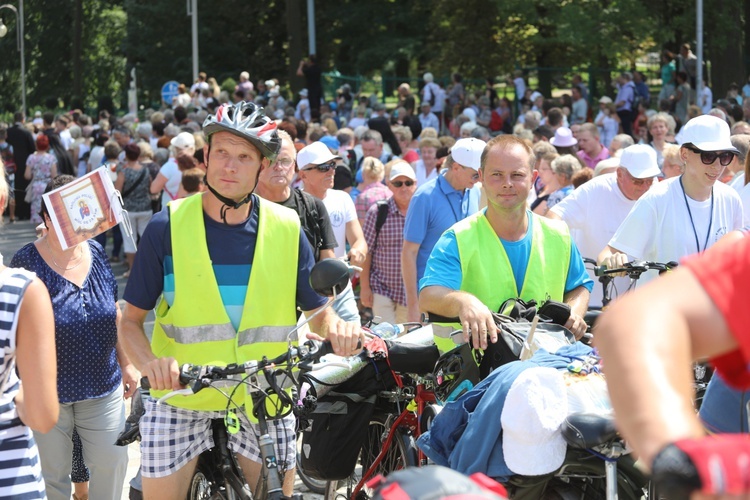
[169,92]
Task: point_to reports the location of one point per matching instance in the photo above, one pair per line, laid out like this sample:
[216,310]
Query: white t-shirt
[593,213]
[658,227]
[707,99]
[745,197]
[738,183]
[340,210]
[171,171]
[421,172]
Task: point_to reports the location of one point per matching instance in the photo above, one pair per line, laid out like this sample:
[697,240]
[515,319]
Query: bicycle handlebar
[635,268]
[199,377]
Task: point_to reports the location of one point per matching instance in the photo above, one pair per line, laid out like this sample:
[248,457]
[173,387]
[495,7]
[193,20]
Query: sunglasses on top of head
[323,167]
[398,184]
[708,157]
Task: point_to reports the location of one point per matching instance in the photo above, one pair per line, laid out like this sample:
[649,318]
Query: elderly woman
[89,377]
[558,183]
[41,167]
[28,336]
[373,172]
[673,164]
[426,167]
[660,127]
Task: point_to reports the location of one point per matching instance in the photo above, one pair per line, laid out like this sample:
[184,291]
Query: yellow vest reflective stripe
[486,270]
[197,329]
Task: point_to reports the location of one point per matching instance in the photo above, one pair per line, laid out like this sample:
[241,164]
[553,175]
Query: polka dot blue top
[85,325]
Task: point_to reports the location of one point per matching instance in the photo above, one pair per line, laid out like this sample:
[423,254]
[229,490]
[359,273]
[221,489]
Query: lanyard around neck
[692,223]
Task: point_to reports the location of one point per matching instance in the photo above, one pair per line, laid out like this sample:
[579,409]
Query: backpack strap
[311,215]
[380,221]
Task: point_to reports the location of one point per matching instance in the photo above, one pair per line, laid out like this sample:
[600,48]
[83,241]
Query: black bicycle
[218,474]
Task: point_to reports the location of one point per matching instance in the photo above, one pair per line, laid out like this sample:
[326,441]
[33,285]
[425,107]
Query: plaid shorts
[171,437]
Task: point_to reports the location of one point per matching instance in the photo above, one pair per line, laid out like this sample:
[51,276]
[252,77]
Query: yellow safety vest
[486,270]
[197,329]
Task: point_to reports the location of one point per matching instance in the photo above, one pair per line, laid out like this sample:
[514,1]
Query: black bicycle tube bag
[412,358]
[338,426]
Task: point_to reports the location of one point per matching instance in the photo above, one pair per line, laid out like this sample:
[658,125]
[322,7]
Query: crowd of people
[426,197]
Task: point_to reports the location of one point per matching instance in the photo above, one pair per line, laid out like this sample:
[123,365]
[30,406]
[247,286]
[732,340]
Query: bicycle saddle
[588,430]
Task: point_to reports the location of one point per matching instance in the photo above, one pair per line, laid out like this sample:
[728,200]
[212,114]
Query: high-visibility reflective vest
[486,270]
[197,329]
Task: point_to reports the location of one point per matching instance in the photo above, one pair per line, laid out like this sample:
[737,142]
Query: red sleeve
[411,156]
[724,273]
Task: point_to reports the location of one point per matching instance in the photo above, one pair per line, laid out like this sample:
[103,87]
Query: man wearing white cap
[382,283]
[594,211]
[168,179]
[436,206]
[317,168]
[504,252]
[686,214]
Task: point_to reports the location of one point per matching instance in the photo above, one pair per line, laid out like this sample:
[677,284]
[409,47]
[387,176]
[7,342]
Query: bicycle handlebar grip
[145,385]
[675,473]
[437,318]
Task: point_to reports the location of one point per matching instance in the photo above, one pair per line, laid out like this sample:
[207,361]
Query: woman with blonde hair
[660,127]
[373,173]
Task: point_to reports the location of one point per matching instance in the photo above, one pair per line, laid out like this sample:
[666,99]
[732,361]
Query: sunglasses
[708,157]
[398,184]
[324,167]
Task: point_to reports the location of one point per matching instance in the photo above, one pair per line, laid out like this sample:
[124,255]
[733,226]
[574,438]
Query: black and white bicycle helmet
[246,120]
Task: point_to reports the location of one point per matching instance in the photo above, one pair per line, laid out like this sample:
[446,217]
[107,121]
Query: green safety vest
[488,275]
[197,329]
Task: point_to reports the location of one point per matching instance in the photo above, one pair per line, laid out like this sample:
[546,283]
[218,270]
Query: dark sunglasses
[324,167]
[708,157]
[398,184]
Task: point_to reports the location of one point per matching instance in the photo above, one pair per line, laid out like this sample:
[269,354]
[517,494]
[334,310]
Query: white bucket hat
[534,410]
[640,161]
[563,138]
[707,133]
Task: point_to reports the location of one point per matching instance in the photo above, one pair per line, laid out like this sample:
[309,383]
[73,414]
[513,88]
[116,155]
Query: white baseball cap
[707,133]
[534,410]
[640,161]
[468,152]
[183,140]
[402,169]
[316,153]
[303,92]
[563,138]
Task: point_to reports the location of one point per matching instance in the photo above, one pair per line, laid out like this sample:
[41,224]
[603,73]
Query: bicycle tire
[402,454]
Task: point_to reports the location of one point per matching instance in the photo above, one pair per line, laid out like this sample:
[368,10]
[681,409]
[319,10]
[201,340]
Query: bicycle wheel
[402,453]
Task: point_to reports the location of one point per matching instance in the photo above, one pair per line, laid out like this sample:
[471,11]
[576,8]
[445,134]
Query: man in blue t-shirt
[507,176]
[435,207]
[241,142]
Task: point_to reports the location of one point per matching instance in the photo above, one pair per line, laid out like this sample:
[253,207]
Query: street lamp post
[19,44]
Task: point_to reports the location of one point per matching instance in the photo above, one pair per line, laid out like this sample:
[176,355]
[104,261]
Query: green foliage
[391,38]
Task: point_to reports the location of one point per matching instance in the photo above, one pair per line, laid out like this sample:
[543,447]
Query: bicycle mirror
[329,275]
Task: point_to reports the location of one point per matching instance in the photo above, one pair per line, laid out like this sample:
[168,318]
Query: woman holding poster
[84,301]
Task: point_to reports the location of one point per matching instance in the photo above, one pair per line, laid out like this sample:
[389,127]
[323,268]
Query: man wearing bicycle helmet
[504,252]
[228,270]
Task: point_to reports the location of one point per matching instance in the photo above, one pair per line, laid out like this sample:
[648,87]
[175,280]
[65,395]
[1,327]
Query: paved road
[15,236]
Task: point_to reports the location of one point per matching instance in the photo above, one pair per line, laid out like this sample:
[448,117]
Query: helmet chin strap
[228,202]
